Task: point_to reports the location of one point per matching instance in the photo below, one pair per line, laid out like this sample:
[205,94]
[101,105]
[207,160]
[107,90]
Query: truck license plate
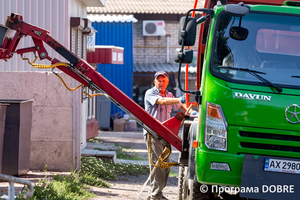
[286,166]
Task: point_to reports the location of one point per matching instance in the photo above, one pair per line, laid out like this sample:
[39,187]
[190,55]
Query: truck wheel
[180,182]
[198,195]
[189,189]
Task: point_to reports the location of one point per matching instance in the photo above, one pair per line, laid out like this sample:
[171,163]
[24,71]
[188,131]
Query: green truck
[246,141]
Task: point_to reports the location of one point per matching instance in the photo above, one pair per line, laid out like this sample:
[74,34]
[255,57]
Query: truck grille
[270,136]
[272,147]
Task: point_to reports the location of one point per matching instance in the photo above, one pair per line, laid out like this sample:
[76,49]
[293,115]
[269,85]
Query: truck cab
[247,135]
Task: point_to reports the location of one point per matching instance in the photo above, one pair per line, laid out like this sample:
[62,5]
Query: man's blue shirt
[158,111]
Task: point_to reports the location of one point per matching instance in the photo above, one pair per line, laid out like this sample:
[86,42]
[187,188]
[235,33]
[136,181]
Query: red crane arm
[80,70]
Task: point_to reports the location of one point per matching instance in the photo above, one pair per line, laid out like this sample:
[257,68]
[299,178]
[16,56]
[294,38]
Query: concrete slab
[104,155]
[102,146]
[134,162]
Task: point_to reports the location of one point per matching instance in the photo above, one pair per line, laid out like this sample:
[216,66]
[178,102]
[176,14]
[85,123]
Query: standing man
[159,103]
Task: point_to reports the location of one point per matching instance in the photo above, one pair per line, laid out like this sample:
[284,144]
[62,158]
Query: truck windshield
[272,47]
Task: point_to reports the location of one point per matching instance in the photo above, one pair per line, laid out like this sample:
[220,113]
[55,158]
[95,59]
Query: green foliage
[97,168]
[95,140]
[110,171]
[127,153]
[92,140]
[89,179]
[45,168]
[61,187]
[74,186]
[172,173]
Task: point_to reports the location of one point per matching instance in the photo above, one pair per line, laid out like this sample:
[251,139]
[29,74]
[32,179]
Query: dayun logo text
[252,96]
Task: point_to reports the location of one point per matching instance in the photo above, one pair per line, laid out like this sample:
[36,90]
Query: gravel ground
[127,187]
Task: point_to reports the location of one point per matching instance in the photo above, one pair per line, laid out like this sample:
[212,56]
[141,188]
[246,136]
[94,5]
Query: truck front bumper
[209,176]
[249,174]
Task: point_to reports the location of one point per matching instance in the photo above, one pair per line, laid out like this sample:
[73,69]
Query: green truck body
[249,92]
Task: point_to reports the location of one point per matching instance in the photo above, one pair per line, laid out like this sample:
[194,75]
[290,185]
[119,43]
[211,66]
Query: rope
[161,159]
[188,110]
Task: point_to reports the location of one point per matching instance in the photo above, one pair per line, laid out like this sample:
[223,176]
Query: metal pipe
[168,47]
[11,191]
[12,180]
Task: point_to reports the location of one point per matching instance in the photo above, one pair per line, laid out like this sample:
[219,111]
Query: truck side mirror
[239,10]
[201,20]
[238,33]
[185,57]
[189,34]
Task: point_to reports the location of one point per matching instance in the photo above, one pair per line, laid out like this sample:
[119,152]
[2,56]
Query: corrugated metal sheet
[154,67]
[117,34]
[167,67]
[50,15]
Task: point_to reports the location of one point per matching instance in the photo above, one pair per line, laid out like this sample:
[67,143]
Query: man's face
[161,83]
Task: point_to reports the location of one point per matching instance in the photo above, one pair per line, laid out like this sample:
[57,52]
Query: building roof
[145,7]
[95,3]
[111,18]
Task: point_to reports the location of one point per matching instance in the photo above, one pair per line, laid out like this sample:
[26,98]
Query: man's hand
[182,99]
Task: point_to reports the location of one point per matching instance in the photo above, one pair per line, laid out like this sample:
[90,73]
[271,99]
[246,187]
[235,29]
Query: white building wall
[77,9]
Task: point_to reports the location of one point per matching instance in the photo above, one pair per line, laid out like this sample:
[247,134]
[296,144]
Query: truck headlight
[215,128]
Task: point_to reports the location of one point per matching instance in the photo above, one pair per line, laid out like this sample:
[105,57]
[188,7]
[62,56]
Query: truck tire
[183,157]
[180,182]
[198,195]
[189,189]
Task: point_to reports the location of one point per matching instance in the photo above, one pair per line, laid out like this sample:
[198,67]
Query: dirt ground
[125,187]
[129,186]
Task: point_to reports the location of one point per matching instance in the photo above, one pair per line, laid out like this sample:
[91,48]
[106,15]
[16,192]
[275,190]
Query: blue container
[118,34]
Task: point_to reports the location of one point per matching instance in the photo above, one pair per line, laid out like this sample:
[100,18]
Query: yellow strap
[161,159]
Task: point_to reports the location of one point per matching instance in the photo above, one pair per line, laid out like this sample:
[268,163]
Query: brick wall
[153,49]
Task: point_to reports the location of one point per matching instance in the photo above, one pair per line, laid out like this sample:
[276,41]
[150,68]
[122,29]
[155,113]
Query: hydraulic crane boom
[80,70]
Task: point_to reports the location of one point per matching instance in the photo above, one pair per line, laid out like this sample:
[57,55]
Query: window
[271,47]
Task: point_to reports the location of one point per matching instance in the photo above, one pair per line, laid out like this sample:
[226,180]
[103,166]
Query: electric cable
[66,84]
[91,96]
